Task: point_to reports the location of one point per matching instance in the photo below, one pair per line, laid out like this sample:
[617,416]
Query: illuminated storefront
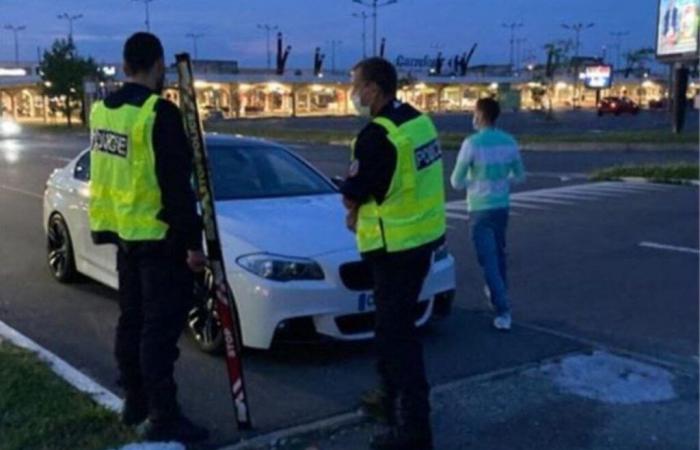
[258,94]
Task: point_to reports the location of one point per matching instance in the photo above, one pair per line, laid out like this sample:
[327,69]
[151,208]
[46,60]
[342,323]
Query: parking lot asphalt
[579,279]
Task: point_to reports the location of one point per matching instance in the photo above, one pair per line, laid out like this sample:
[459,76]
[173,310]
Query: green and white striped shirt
[488,162]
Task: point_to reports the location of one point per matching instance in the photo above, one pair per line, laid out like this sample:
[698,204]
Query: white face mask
[475,123]
[362,110]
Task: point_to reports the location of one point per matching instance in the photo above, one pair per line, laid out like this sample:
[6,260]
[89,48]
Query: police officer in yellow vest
[141,200]
[395,198]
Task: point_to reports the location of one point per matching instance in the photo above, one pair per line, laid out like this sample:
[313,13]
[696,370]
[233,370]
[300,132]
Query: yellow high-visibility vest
[125,197]
[413,212]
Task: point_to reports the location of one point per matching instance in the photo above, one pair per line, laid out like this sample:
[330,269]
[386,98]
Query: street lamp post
[148,12]
[512,27]
[195,38]
[268,29]
[577,28]
[15,31]
[70,19]
[363,15]
[334,46]
[375,5]
[519,53]
[618,35]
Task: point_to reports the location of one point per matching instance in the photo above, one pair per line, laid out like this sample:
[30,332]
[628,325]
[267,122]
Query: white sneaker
[488,303]
[503,322]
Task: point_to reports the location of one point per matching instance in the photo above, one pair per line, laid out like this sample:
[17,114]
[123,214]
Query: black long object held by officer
[226,307]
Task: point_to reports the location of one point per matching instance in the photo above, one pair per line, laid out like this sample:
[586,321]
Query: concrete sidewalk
[582,401]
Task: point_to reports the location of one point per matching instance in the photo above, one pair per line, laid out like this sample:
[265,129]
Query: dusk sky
[412,27]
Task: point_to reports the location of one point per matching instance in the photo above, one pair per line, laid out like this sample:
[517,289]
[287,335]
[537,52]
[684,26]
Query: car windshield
[262,171]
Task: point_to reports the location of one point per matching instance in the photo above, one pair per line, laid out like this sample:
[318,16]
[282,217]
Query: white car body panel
[308,227]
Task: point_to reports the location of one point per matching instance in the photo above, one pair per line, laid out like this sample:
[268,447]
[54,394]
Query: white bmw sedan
[292,264]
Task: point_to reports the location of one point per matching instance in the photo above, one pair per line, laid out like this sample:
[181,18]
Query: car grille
[357,276]
[364,323]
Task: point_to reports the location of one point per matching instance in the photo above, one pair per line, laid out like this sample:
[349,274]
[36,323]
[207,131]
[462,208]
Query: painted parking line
[21,191]
[670,248]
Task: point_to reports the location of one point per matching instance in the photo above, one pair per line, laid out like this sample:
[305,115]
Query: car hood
[291,226]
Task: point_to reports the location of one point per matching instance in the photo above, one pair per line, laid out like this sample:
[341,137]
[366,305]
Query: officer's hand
[349,204]
[351,220]
[196,260]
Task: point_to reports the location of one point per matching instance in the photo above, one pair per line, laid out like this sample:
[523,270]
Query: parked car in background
[658,104]
[617,106]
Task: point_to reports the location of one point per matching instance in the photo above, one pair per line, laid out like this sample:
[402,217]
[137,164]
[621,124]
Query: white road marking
[457,216]
[520,204]
[672,248]
[57,158]
[566,196]
[21,191]
[73,376]
[538,199]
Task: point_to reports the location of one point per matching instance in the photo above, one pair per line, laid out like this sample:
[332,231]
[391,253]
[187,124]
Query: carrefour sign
[425,62]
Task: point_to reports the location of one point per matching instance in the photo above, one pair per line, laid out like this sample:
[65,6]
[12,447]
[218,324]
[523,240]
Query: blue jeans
[489,237]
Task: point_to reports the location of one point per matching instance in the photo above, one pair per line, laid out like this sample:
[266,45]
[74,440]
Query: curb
[67,372]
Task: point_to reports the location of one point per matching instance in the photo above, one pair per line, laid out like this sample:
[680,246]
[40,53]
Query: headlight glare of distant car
[9,128]
[281,268]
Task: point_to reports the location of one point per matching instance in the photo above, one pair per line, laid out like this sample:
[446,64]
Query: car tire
[202,321]
[59,250]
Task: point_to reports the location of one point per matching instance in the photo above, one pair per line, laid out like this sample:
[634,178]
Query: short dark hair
[380,71]
[489,108]
[141,52]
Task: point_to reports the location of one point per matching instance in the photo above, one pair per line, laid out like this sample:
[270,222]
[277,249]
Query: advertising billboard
[598,77]
[677,29]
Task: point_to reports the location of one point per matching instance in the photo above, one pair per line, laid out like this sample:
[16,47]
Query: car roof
[238,140]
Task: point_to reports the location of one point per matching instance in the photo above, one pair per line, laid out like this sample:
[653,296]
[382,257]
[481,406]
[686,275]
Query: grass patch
[454,140]
[661,173]
[39,411]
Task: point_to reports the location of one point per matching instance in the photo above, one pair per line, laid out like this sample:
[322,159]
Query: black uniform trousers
[155,295]
[398,280]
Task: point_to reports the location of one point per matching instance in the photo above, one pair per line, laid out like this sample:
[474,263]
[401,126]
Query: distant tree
[558,56]
[64,72]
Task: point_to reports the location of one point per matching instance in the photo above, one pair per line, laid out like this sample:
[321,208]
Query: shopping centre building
[227,91]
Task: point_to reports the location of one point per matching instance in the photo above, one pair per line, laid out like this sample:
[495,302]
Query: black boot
[399,438]
[178,429]
[377,404]
[166,421]
[135,408]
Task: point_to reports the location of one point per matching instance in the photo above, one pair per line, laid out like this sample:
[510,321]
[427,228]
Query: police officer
[395,198]
[141,199]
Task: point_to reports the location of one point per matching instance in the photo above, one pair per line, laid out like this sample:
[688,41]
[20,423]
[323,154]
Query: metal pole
[148,15]
[70,19]
[268,29]
[195,37]
[618,35]
[363,16]
[512,26]
[375,5]
[148,12]
[15,32]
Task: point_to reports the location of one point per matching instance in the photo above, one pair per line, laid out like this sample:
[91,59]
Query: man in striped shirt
[488,162]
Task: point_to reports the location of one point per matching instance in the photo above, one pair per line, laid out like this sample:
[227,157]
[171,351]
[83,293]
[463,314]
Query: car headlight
[281,268]
[441,253]
[9,128]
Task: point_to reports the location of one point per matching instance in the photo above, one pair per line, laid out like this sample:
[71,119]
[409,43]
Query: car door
[98,257]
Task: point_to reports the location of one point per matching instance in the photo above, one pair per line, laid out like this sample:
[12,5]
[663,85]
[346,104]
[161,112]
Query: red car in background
[617,106]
